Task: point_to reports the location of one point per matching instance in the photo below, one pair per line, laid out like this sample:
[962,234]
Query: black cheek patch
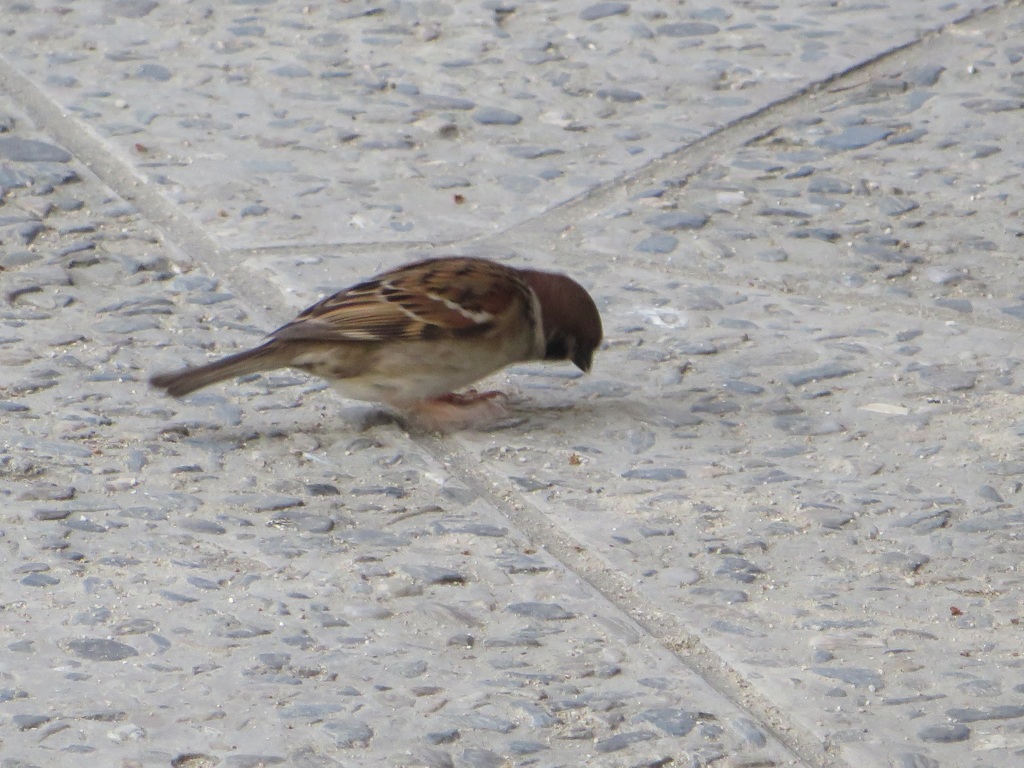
[557,348]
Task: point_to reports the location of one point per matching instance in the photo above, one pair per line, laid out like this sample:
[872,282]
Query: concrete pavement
[779,524]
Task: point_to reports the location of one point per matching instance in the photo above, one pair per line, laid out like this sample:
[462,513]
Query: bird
[411,337]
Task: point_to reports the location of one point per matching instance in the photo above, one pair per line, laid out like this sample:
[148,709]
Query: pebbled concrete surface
[779,525]
[291,122]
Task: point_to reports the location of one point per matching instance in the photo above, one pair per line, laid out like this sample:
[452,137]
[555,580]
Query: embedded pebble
[496,116]
[957,305]
[622,95]
[925,521]
[677,220]
[860,678]
[202,526]
[621,741]
[40,580]
[257,503]
[432,574]
[544,611]
[948,380]
[855,137]
[677,722]
[1003,712]
[822,372]
[945,733]
[482,758]
[658,244]
[349,733]
[101,649]
[806,425]
[687,29]
[29,722]
[659,474]
[749,731]
[31,150]
[603,9]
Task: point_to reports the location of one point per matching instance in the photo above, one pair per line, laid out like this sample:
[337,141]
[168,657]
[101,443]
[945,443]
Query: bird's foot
[462,410]
[471,396]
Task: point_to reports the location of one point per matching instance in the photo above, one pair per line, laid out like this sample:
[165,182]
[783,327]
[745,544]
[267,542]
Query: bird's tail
[181,382]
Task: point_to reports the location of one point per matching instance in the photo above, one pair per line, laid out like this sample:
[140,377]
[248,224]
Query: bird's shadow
[523,415]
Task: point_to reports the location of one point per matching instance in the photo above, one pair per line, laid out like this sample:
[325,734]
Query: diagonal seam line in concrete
[181,234]
[700,152]
[81,140]
[667,632]
[751,127]
[747,128]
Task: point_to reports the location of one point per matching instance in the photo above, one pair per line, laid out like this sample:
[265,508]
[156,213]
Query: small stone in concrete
[915,760]
[829,185]
[291,70]
[659,474]
[749,731]
[945,733]
[544,611]
[816,233]
[773,255]
[100,649]
[622,740]
[948,380]
[475,757]
[674,721]
[619,94]
[29,722]
[40,580]
[925,521]
[964,306]
[658,244]
[523,747]
[134,9]
[447,736]
[739,568]
[31,151]
[1000,712]
[673,221]
[602,10]
[496,116]
[432,574]
[202,526]
[896,206]
[821,372]
[156,72]
[484,722]
[687,29]
[807,425]
[855,137]
[855,676]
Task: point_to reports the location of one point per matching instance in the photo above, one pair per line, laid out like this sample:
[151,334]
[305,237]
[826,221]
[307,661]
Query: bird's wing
[437,298]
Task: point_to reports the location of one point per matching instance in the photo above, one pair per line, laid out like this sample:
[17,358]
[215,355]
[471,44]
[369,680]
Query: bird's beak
[583,359]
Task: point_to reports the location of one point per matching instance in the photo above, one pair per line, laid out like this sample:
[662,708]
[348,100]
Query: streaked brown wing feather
[428,299]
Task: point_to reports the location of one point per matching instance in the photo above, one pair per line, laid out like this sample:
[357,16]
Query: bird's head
[569,316]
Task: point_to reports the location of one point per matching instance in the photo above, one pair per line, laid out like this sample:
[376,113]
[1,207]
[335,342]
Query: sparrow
[412,336]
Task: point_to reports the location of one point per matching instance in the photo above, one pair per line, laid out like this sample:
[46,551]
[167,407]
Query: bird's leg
[461,410]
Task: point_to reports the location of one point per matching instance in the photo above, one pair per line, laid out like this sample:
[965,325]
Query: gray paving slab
[260,584]
[292,122]
[778,525]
